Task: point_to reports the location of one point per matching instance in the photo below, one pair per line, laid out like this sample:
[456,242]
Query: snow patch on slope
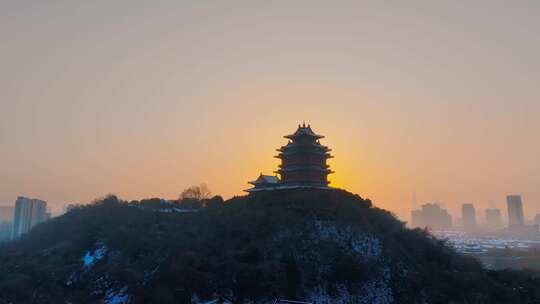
[92,257]
[177,210]
[367,246]
[119,296]
[379,291]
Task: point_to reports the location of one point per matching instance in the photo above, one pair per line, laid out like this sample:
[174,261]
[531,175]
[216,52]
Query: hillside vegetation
[323,246]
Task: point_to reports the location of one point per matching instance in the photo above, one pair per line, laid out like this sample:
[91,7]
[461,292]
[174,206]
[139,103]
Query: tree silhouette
[199,192]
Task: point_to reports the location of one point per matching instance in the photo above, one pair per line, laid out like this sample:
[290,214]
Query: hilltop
[324,246]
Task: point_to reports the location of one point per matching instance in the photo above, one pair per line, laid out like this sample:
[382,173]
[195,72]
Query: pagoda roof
[303,130]
[292,185]
[315,145]
[293,168]
[303,165]
[283,153]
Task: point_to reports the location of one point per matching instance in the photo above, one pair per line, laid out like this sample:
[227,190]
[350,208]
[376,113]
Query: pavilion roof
[290,168]
[265,179]
[304,130]
[309,147]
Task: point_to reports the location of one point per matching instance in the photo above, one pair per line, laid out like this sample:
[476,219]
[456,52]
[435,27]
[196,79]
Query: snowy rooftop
[266,179]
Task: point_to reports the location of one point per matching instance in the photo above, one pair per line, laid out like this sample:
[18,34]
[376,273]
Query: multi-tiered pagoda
[303,159]
[303,163]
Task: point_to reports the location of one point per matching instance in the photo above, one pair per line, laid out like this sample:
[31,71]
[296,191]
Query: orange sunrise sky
[145,98]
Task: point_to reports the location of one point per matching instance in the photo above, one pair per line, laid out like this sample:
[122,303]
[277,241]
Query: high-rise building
[537,219]
[431,216]
[515,210]
[493,218]
[5,231]
[468,214]
[417,218]
[6,222]
[28,213]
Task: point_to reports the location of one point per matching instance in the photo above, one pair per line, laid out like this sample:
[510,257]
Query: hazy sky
[144,98]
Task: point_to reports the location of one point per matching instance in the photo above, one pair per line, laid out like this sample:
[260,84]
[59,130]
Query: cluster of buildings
[19,219]
[434,217]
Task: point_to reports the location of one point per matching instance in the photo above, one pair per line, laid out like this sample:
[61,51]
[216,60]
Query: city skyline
[491,217]
[481,215]
[437,99]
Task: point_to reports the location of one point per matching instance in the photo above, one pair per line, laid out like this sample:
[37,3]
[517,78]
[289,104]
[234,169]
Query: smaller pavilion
[264,182]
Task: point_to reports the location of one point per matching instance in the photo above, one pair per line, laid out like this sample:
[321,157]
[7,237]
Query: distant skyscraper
[431,216]
[28,213]
[515,210]
[493,218]
[537,220]
[6,222]
[468,214]
[417,218]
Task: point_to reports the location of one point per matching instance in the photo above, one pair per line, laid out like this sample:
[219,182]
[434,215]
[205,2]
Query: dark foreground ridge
[319,246]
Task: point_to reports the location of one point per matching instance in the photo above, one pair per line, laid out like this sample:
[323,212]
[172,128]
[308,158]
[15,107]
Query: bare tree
[199,192]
